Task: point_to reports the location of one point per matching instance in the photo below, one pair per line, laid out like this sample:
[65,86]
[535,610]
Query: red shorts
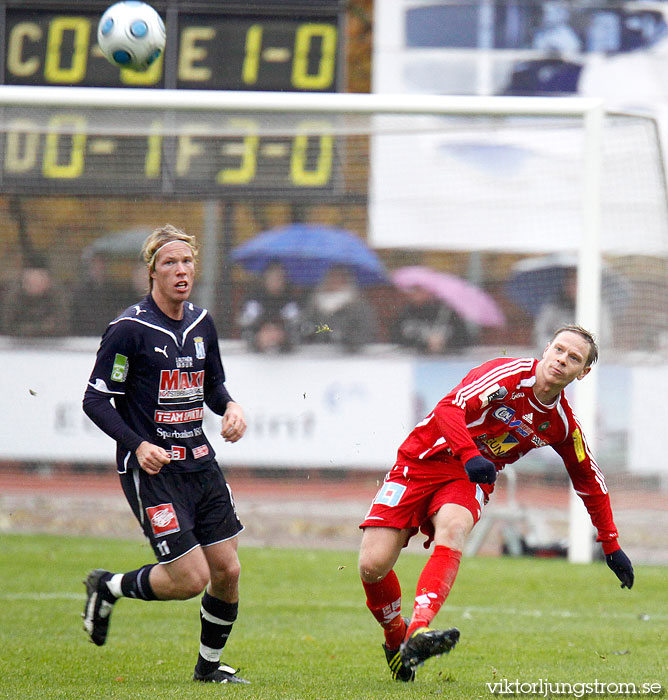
[413,492]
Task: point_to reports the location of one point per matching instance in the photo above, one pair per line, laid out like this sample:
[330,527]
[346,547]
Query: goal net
[549,209]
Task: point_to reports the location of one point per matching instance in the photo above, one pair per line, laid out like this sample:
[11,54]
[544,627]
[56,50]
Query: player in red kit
[445,473]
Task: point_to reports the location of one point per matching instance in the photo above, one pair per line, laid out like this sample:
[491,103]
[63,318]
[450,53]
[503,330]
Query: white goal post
[589,111]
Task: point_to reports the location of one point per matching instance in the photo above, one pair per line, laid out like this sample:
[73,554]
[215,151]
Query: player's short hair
[159,238]
[592,357]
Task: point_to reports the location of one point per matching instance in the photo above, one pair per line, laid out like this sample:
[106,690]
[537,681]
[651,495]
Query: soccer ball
[131,34]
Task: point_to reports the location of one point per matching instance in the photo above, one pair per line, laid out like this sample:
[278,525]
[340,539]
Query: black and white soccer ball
[131,34]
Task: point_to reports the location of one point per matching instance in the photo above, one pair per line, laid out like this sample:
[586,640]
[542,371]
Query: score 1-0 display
[293,46]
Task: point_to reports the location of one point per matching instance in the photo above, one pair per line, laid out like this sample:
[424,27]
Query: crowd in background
[36,305]
[270,314]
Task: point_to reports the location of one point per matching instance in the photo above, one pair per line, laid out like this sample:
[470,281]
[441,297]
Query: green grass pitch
[304,631]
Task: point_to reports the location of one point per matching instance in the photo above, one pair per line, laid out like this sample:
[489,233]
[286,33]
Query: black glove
[621,566]
[480,470]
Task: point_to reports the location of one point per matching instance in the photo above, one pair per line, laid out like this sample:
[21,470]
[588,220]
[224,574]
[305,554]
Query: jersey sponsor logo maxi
[191,414]
[180,387]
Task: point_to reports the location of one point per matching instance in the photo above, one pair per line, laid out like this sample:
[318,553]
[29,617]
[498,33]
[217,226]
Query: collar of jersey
[157,316]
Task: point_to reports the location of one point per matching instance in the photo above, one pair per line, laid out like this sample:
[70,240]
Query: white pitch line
[464,610]
[467,611]
[42,596]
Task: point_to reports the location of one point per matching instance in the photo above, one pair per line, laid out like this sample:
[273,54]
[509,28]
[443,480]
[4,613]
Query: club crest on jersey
[163,519]
[200,354]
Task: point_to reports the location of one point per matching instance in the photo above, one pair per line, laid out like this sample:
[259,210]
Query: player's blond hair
[592,357]
[159,238]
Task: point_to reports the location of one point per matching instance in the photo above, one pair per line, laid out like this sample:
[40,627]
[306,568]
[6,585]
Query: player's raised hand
[151,458]
[480,470]
[622,567]
[234,422]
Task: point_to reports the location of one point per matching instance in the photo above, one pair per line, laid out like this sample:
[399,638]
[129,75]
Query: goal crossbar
[337,103]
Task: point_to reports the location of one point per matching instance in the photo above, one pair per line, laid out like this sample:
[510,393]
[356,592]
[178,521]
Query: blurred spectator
[560,311]
[35,305]
[137,289]
[269,317]
[604,32]
[337,312]
[96,300]
[426,324]
[634,78]
[555,33]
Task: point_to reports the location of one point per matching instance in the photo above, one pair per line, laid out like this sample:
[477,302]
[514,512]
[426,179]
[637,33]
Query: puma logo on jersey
[139,311]
[163,351]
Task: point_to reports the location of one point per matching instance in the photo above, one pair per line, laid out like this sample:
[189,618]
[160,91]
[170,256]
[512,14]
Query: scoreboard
[211,45]
[72,150]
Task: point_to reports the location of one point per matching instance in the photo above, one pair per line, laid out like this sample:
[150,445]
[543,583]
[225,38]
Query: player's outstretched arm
[621,566]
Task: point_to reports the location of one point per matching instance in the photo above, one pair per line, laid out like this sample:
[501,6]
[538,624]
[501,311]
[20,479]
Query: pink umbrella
[469,301]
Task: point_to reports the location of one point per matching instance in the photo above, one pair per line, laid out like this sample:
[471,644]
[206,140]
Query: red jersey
[493,412]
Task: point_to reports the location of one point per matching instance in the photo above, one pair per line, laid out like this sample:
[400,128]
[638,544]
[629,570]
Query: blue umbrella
[307,251]
[536,281]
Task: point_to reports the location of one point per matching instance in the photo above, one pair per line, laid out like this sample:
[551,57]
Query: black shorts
[180,511]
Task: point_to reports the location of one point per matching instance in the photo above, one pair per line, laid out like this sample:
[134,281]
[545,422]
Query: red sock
[383,598]
[434,586]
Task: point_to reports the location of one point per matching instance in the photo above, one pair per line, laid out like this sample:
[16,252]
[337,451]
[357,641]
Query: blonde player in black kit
[159,362]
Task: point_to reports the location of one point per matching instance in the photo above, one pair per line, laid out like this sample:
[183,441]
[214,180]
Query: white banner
[310,412]
[319,412]
[302,411]
[512,189]
[511,185]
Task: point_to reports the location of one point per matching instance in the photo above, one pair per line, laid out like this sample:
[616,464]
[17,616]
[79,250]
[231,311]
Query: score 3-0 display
[72,151]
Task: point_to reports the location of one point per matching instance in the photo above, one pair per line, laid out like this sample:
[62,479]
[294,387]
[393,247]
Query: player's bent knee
[372,569]
[227,574]
[453,531]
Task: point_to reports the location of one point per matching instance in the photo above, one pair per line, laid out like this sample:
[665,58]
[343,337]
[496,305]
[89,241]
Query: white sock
[114,585]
